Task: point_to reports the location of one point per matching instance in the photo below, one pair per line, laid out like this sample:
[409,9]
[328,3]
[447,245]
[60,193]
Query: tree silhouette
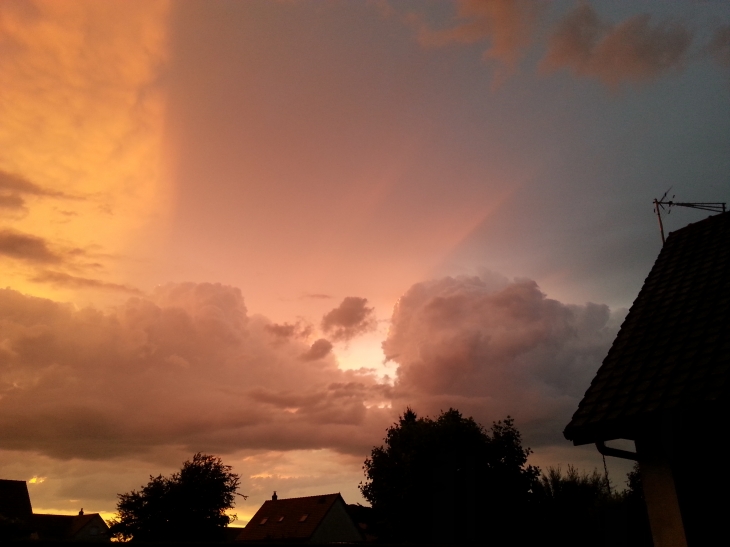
[443,479]
[578,509]
[187,506]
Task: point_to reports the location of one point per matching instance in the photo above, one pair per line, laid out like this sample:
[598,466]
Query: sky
[263,229]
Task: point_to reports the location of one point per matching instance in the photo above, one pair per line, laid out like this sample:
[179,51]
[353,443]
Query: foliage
[431,474]
[189,505]
[580,509]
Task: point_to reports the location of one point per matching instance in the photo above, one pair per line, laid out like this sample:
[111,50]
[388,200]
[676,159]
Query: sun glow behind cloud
[83,123]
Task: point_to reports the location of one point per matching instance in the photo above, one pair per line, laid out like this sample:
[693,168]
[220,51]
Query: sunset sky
[262,229]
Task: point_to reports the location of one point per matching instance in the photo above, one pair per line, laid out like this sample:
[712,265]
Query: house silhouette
[665,383]
[311,519]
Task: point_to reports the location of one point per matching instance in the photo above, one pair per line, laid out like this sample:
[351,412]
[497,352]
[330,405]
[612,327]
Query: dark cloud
[13,188]
[317,296]
[184,367]
[351,318]
[27,247]
[289,330]
[318,349]
[61,279]
[492,352]
[719,46]
[631,51]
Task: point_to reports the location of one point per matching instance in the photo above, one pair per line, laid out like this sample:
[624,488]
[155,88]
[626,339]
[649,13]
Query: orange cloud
[506,24]
[83,118]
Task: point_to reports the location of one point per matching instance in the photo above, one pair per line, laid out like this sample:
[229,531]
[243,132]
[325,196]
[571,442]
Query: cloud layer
[189,367]
[186,366]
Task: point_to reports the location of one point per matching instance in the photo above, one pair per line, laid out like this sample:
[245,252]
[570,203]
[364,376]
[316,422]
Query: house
[311,519]
[81,527]
[16,512]
[17,520]
[665,385]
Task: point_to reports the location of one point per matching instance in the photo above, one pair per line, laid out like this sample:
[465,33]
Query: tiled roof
[283,519]
[14,500]
[673,349]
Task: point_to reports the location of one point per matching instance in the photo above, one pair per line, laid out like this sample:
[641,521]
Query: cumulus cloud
[185,367]
[495,351]
[351,318]
[506,24]
[631,51]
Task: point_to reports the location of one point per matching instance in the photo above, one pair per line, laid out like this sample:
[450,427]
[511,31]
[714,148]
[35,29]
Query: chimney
[81,512]
[274,497]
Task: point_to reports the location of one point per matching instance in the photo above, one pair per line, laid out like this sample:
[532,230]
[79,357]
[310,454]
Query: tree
[189,505]
[433,479]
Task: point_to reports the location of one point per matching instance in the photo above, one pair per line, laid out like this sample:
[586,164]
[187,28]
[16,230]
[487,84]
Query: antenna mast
[659,206]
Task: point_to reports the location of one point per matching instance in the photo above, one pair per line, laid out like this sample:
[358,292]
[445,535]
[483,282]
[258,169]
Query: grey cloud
[631,51]
[351,318]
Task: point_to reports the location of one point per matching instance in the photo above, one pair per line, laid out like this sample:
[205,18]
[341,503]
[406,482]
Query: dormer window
[303,518]
[263,520]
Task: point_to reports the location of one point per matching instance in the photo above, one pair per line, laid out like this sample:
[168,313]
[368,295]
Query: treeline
[449,480]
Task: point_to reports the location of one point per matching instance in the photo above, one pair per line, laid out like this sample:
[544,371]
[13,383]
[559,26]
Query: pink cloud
[182,367]
[492,351]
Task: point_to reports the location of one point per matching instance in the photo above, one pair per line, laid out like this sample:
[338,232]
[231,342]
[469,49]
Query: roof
[15,500]
[293,519]
[60,527]
[673,349]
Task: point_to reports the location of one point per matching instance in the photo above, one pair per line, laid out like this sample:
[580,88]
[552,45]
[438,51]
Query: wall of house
[337,526]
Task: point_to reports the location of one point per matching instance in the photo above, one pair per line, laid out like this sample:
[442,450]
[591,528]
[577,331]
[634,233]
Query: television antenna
[666,205]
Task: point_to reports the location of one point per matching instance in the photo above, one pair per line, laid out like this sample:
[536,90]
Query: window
[303,518]
[263,520]
[280,519]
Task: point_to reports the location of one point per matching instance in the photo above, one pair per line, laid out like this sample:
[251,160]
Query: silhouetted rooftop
[292,519]
[673,349]
[15,500]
